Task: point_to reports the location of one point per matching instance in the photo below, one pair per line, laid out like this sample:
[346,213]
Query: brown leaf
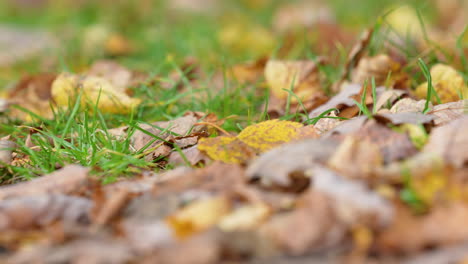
[30,211]
[33,93]
[450,142]
[63,181]
[444,225]
[341,101]
[356,158]
[406,105]
[405,118]
[301,77]
[379,67]
[119,76]
[192,154]
[284,166]
[447,112]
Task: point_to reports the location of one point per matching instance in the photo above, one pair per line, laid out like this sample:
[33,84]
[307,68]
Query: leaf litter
[370,167]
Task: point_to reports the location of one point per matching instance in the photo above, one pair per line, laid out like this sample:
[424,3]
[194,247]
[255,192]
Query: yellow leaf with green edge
[92,88]
[447,82]
[226,149]
[269,134]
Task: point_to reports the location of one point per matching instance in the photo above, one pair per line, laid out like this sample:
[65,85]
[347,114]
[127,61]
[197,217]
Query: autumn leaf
[91,89]
[254,139]
[447,82]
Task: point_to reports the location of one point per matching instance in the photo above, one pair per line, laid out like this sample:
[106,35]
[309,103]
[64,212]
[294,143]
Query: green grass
[162,40]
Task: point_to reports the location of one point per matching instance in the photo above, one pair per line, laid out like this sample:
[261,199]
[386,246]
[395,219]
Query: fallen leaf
[30,211]
[406,105]
[254,139]
[383,69]
[300,77]
[66,87]
[444,113]
[356,158]
[226,149]
[62,181]
[118,45]
[199,215]
[410,233]
[447,82]
[284,165]
[191,154]
[249,72]
[450,142]
[119,76]
[33,93]
[246,217]
[405,118]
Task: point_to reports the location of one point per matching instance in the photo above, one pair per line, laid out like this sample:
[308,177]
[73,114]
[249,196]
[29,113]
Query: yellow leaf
[111,99]
[199,216]
[245,217]
[299,76]
[269,134]
[447,82]
[226,149]
[404,21]
[253,140]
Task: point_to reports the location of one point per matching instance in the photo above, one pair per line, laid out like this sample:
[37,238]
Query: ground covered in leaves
[199,131]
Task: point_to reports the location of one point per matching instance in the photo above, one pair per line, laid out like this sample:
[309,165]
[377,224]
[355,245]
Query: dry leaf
[118,45]
[257,138]
[356,158]
[447,82]
[406,105]
[249,72]
[443,226]
[300,77]
[282,166]
[33,93]
[444,113]
[246,217]
[63,181]
[199,215]
[66,87]
[450,142]
[226,149]
[383,69]
[29,211]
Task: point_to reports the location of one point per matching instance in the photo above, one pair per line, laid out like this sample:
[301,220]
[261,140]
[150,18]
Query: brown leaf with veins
[447,112]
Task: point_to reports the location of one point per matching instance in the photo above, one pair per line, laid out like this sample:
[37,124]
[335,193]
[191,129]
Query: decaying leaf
[91,89]
[300,77]
[226,149]
[245,218]
[249,72]
[447,82]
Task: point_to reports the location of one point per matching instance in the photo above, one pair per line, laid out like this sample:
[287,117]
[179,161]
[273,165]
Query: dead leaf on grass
[407,105]
[6,151]
[383,69]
